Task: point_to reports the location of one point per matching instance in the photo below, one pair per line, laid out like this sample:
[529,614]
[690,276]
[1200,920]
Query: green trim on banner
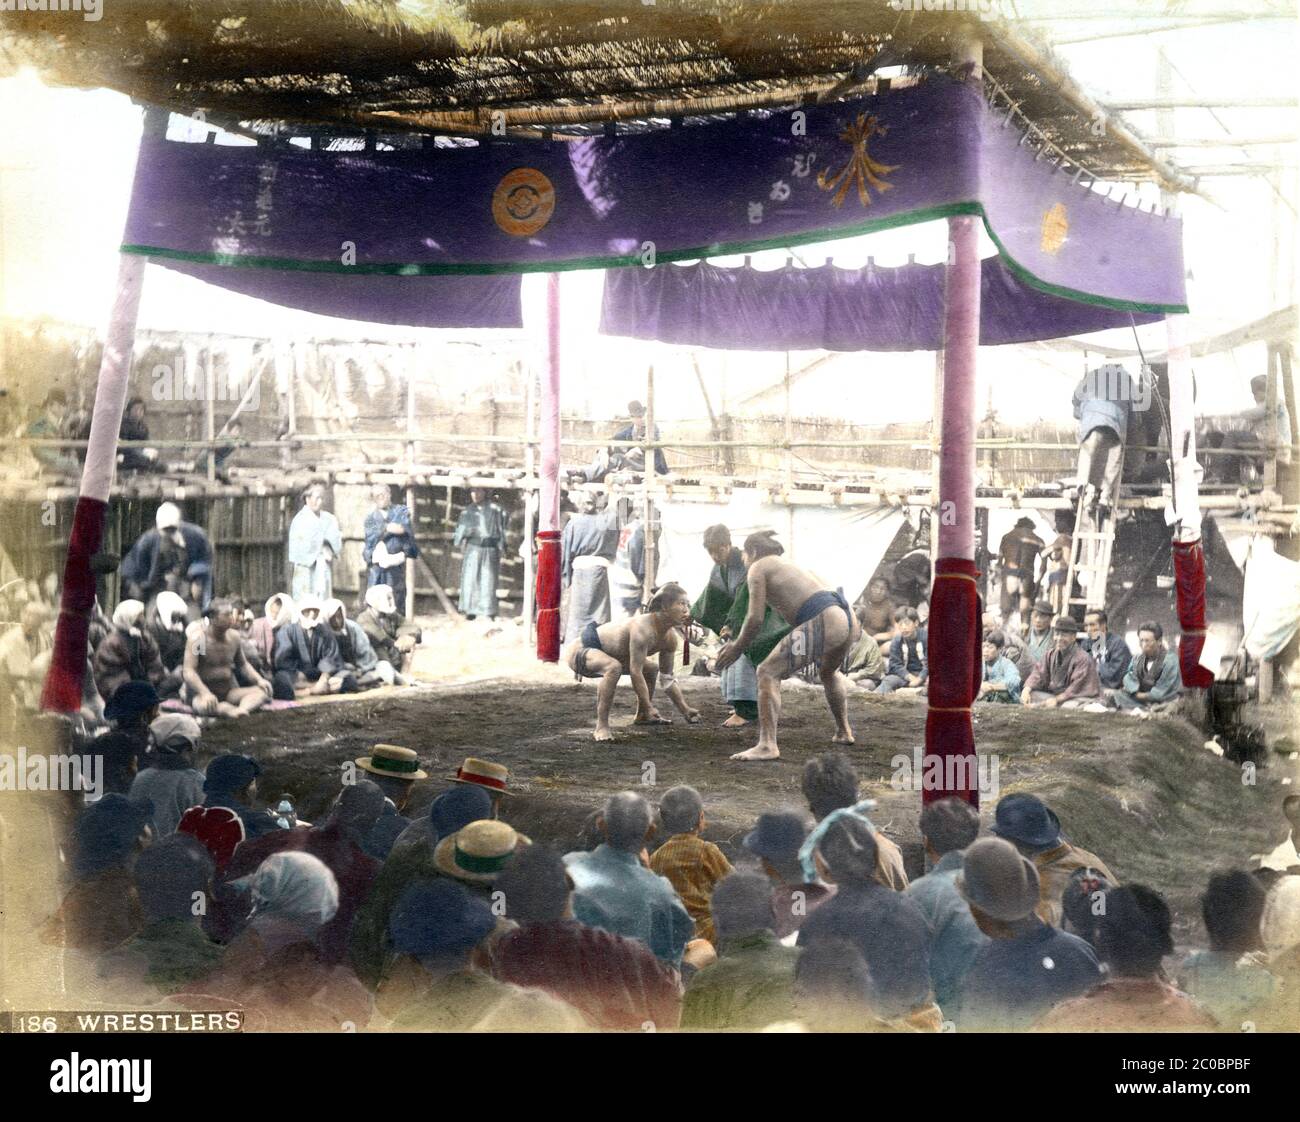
[757,245]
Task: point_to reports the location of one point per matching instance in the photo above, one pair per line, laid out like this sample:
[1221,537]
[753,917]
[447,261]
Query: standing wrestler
[625,647]
[824,629]
[215,668]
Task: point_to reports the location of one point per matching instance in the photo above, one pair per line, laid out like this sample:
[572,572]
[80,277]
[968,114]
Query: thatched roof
[445,66]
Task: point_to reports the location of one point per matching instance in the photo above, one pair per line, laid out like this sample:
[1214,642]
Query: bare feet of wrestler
[758,752]
[603,734]
[735,721]
[652,719]
[845,737]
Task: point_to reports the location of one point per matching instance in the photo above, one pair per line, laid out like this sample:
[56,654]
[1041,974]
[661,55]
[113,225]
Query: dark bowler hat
[997,880]
[777,837]
[1028,820]
[1067,624]
[1045,607]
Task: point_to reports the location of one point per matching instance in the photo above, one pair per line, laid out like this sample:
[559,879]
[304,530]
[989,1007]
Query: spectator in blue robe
[175,556]
[390,540]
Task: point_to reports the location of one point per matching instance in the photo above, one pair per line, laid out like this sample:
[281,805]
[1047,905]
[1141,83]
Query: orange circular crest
[523,202]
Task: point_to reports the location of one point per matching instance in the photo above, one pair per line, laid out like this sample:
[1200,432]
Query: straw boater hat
[479,851]
[390,760]
[483,773]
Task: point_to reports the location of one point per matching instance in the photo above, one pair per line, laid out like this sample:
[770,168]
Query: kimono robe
[481,533]
[587,548]
[394,577]
[740,679]
[309,534]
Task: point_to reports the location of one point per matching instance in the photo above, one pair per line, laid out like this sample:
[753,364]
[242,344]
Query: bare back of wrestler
[824,629]
[644,648]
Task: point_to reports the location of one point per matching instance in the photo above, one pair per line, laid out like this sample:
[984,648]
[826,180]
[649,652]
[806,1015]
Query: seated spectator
[751,983]
[219,682]
[101,910]
[1153,679]
[887,927]
[615,982]
[1027,967]
[380,622]
[25,656]
[307,658]
[1082,902]
[165,623]
[1280,928]
[226,816]
[355,652]
[128,653]
[466,802]
[833,991]
[1231,979]
[1013,645]
[1107,650]
[1067,674]
[444,929]
[275,968]
[173,879]
[396,770]
[877,613]
[948,827]
[1001,679]
[690,864]
[280,610]
[907,667]
[169,778]
[1031,826]
[614,891]
[1038,638]
[1133,937]
[864,664]
[337,843]
[831,787]
[477,853]
[409,862]
[776,840]
[131,710]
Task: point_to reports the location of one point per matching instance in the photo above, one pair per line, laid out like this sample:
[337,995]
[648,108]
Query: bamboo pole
[647,481]
[530,501]
[409,563]
[210,407]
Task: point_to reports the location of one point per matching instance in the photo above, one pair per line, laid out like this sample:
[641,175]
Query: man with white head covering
[379,623]
[169,778]
[315,540]
[165,622]
[307,655]
[128,653]
[355,652]
[175,556]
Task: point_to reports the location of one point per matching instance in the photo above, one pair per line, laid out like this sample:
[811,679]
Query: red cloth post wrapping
[956,669]
[548,595]
[62,690]
[1189,578]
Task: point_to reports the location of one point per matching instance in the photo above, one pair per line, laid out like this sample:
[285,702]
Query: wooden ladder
[1090,552]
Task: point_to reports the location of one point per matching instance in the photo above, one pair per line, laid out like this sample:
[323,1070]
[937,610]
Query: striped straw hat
[389,759]
[483,773]
[479,851]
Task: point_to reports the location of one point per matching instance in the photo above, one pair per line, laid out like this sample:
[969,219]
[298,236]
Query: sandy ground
[1145,795]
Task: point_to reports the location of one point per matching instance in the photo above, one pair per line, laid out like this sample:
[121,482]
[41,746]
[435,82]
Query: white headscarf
[286,613]
[171,610]
[126,616]
[293,886]
[306,604]
[332,606]
[380,597]
[167,516]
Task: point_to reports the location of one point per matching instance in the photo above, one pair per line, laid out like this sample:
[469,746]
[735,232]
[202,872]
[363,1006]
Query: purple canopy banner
[752,182]
[833,309]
